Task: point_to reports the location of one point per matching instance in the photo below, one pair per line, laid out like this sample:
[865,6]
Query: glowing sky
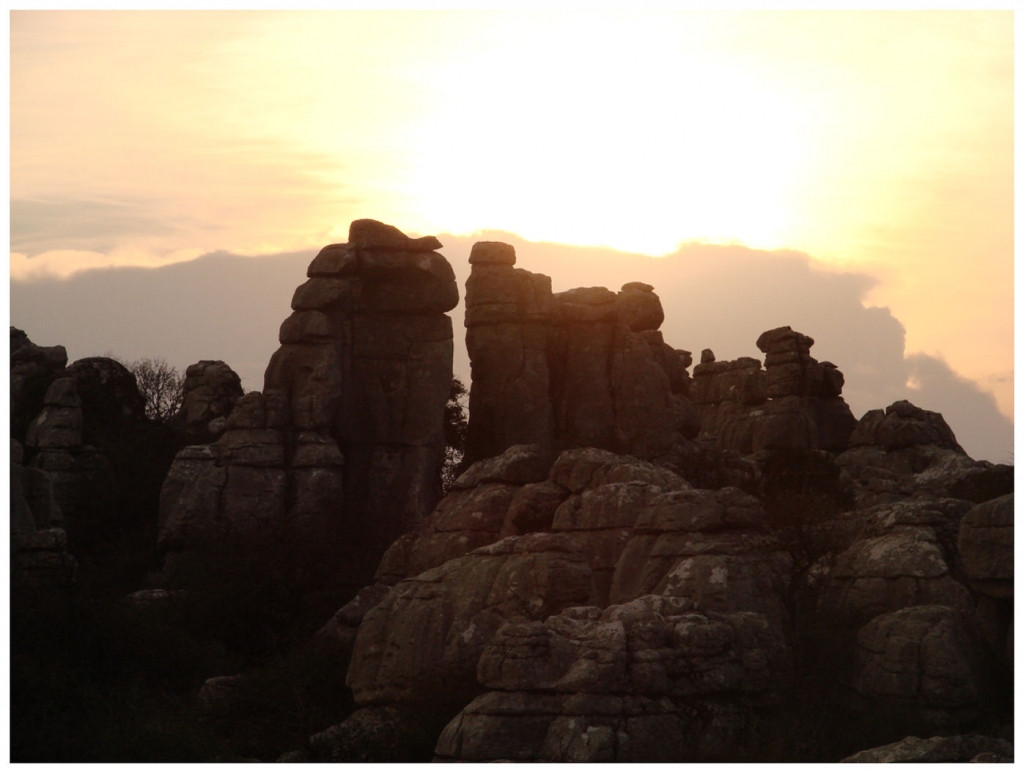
[881,141]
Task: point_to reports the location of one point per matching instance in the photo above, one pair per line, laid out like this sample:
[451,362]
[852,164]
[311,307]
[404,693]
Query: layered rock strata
[342,450]
[793,403]
[581,368]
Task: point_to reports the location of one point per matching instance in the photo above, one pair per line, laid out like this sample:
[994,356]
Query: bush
[456,427]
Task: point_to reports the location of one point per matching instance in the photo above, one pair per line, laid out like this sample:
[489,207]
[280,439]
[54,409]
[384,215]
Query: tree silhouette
[161,385]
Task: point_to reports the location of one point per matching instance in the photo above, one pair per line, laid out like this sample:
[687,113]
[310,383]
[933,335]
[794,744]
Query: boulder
[921,658]
[985,544]
[903,568]
[421,644]
[903,424]
[209,393]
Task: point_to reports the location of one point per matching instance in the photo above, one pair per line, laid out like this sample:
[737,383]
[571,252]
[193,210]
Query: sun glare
[602,137]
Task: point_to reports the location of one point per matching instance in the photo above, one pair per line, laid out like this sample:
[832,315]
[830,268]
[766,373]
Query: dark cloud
[228,307]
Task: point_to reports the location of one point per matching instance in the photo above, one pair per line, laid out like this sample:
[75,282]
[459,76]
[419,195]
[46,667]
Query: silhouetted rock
[209,394]
[342,451]
[794,403]
[33,368]
[906,451]
[580,368]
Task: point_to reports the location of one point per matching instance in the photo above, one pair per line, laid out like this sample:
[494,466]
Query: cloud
[87,225]
[224,306]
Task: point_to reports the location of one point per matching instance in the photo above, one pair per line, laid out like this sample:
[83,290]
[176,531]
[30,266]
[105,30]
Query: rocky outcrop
[341,452]
[39,549]
[33,369]
[985,543]
[581,368]
[637,682]
[920,660]
[956,748]
[209,394]
[84,489]
[906,451]
[794,403]
[421,644]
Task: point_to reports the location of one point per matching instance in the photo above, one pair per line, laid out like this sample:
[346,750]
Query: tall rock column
[345,445]
[507,312]
[366,358]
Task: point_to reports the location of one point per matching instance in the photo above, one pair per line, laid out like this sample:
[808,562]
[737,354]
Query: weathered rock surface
[794,403]
[209,394]
[906,451]
[957,748]
[985,544]
[920,658]
[709,546]
[343,449]
[581,368]
[421,644]
[903,568]
[636,682]
[33,368]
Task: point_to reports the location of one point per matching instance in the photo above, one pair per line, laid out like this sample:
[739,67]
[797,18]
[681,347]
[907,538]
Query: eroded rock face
[985,543]
[906,451]
[922,658]
[421,644]
[581,368]
[33,368]
[794,403]
[341,452]
[710,546]
[209,394]
[957,748]
[637,682]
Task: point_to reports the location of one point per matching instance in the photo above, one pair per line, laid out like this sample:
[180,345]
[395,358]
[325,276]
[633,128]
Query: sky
[876,143]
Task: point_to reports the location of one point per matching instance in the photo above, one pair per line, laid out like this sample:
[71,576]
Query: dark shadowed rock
[33,368]
[421,644]
[922,658]
[342,451]
[903,424]
[519,464]
[985,544]
[209,393]
[957,748]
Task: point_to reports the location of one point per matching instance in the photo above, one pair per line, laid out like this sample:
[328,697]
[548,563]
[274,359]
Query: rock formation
[341,451]
[209,394]
[634,565]
[581,368]
[793,403]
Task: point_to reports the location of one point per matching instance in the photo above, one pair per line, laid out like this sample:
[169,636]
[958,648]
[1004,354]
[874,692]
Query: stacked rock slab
[582,368]
[794,403]
[209,394]
[344,446]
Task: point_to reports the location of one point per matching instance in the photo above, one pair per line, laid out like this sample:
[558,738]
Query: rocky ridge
[636,564]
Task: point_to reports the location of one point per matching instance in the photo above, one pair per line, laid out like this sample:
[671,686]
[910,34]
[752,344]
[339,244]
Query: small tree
[455,429]
[161,385]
